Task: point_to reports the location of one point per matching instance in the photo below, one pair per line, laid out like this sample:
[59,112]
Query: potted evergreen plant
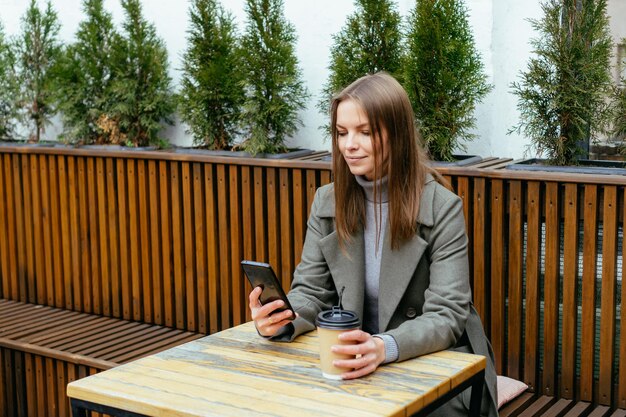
[564,94]
[8,88]
[274,89]
[370,41]
[444,76]
[212,90]
[142,94]
[86,76]
[37,50]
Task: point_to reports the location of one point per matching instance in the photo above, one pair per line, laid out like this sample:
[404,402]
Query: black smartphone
[262,275]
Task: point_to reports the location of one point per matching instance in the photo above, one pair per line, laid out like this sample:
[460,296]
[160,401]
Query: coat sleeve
[312,289]
[447,298]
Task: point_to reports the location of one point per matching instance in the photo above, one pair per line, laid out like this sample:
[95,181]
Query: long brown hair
[389,112]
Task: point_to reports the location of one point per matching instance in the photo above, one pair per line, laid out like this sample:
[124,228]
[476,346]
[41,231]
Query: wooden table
[237,372]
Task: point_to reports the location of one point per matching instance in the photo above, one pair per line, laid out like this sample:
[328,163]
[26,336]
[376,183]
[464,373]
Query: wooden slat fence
[150,239]
[157,238]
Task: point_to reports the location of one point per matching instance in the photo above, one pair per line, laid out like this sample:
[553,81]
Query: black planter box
[586,166]
[295,153]
[460,160]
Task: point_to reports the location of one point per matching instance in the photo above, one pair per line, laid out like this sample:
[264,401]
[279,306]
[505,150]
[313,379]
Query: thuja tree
[143,99]
[8,87]
[86,77]
[370,41]
[212,91]
[620,121]
[444,75]
[562,95]
[37,50]
[274,88]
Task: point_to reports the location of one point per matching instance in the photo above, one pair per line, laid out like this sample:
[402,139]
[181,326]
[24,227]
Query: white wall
[501,32]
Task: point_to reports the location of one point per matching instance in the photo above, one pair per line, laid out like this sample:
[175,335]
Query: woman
[392,238]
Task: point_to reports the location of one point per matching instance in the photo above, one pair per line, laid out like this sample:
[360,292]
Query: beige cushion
[508,389]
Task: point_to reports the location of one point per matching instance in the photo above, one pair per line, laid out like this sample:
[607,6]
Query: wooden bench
[42,349]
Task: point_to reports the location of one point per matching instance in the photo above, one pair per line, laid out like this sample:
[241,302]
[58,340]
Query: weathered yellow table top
[238,373]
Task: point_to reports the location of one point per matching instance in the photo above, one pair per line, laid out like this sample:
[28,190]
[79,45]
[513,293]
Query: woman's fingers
[367,354]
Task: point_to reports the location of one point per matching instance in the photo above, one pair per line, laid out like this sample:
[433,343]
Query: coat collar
[397,266]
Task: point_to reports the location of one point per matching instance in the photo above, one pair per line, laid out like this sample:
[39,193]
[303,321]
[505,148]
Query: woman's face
[355,142]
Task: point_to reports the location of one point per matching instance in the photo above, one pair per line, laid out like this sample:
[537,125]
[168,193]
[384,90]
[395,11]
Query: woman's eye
[342,133]
[365,132]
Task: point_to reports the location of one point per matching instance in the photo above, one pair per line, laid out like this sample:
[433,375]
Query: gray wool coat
[424,293]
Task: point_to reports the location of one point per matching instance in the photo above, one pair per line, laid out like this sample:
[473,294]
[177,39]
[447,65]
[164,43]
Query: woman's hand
[266,321]
[369,351]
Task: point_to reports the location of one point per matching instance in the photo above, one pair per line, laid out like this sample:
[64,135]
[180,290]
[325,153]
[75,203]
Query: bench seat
[42,349]
[530,405]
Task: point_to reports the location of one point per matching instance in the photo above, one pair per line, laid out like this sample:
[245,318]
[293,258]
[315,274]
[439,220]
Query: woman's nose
[351,141]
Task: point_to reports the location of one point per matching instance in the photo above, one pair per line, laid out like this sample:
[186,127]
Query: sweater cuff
[391,347]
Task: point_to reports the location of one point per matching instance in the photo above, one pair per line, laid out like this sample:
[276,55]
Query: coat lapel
[347,269]
[396,271]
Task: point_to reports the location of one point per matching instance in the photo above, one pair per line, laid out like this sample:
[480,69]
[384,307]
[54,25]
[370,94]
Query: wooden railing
[158,237]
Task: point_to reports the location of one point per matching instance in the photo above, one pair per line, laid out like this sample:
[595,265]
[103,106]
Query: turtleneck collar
[368,188]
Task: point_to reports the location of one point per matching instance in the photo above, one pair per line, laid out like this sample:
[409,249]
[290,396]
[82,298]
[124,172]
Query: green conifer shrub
[143,98]
[37,51]
[86,76]
[369,42]
[619,129]
[8,89]
[273,82]
[563,94]
[212,83]
[443,75]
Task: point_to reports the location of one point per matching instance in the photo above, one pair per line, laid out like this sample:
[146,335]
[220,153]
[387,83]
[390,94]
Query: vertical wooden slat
[76,242]
[61,382]
[20,389]
[166,239]
[19,229]
[155,238]
[55,223]
[144,248]
[286,227]
[51,387]
[12,288]
[590,213]
[103,204]
[311,188]
[621,392]
[39,270]
[299,215]
[134,243]
[67,249]
[325,177]
[9,402]
[570,276]
[223,222]
[30,293]
[260,219]
[551,290]
[3,375]
[248,227]
[480,254]
[177,247]
[273,220]
[238,306]
[200,218]
[46,221]
[94,167]
[4,247]
[119,245]
[144,244]
[40,377]
[497,274]
[463,191]
[84,232]
[31,387]
[515,296]
[189,253]
[213,262]
[609,278]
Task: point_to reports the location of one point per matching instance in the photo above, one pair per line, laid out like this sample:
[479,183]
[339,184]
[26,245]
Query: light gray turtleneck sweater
[375,211]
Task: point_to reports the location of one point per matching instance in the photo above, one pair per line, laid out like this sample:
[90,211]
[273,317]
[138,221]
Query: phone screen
[262,275]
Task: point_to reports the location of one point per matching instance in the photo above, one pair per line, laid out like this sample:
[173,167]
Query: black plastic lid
[337,319]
